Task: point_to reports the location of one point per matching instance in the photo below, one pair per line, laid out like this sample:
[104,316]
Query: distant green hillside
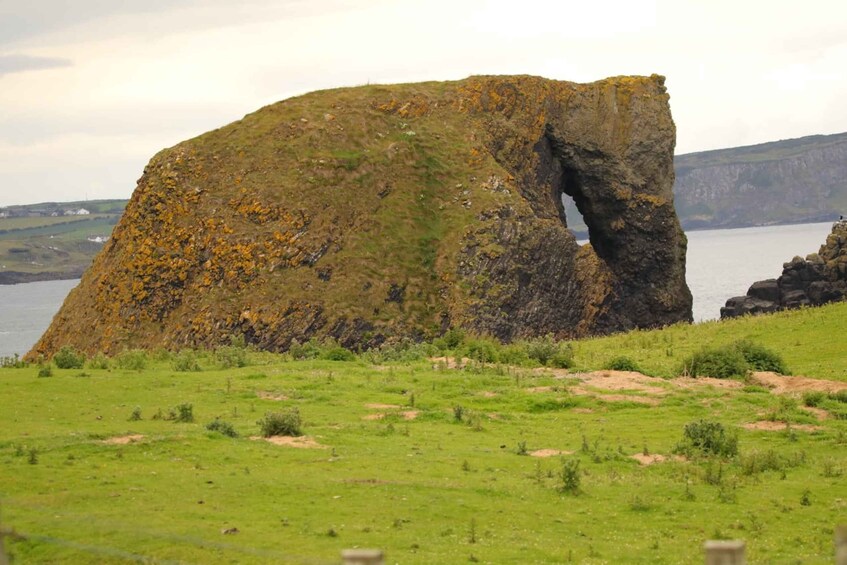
[53,240]
[782,182]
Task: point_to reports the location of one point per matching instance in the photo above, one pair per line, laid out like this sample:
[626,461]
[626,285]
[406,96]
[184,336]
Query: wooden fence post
[729,552]
[362,557]
[841,544]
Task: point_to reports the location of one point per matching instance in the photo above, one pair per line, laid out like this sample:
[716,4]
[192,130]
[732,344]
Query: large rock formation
[781,182]
[378,212]
[819,278]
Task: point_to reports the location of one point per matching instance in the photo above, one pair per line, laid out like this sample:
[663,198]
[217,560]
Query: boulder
[379,213]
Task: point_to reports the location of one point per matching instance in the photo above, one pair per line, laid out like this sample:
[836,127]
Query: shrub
[185,361]
[69,358]
[184,413]
[513,354]
[222,427]
[761,358]
[721,363]
[308,350]
[404,350]
[234,354]
[45,371]
[705,438]
[548,352]
[622,363]
[337,353]
[285,423]
[136,414]
[570,476]
[451,340]
[481,349]
[541,349]
[99,361]
[132,360]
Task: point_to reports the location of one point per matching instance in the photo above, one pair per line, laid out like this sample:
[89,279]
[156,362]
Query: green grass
[435,489]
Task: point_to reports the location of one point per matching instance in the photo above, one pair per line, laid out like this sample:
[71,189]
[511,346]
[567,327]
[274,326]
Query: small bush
[404,351]
[285,423]
[761,358]
[337,353]
[132,360]
[184,413]
[481,349]
[185,361]
[222,427]
[309,350]
[99,361]
[45,371]
[622,363]
[451,340]
[705,438]
[136,414]
[570,476]
[513,354]
[69,358]
[229,357]
[721,363]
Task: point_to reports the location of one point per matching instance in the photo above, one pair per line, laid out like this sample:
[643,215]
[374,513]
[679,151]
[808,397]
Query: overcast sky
[91,89]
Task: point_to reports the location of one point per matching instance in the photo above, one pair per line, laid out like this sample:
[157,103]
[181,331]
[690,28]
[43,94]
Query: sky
[91,89]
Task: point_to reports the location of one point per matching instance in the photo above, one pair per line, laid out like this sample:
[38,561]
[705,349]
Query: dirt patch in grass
[654,458]
[266,395]
[699,382]
[649,400]
[450,362]
[123,440]
[488,394]
[583,410]
[377,406]
[780,384]
[818,413]
[548,453]
[305,442]
[768,426]
[539,389]
[406,415]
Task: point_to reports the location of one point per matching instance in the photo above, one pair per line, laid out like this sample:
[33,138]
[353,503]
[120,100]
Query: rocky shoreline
[18,277]
[818,279]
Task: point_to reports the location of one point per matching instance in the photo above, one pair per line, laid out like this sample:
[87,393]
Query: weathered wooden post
[362,557]
[725,552]
[841,544]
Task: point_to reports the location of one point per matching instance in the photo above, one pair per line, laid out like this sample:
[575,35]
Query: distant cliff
[782,182]
[382,212]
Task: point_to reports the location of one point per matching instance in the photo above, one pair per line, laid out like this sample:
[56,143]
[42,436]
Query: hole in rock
[574,219]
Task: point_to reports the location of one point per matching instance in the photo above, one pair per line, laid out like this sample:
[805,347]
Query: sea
[720,264]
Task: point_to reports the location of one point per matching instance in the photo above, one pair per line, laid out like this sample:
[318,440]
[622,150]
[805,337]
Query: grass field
[431,462]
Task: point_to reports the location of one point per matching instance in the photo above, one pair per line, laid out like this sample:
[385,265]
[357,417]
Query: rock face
[381,212]
[819,278]
[782,182]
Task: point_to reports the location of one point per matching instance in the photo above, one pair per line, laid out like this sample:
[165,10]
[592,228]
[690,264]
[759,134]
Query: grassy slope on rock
[429,489]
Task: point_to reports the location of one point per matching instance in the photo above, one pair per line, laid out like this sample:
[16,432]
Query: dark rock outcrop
[819,278]
[382,212]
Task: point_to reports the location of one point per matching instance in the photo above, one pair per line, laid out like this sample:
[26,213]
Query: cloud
[19,63]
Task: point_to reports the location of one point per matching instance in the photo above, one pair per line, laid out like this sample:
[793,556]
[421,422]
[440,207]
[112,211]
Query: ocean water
[721,264]
[724,263]
[26,310]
